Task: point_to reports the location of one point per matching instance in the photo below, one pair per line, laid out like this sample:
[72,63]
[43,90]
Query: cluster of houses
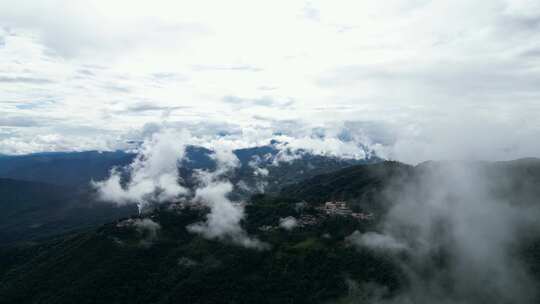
[340,208]
[307,220]
[331,208]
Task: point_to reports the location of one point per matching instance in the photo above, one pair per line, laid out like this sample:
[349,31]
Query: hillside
[323,259]
[34,210]
[301,267]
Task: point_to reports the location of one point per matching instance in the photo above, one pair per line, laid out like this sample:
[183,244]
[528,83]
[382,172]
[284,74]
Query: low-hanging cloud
[461,227]
[223,221]
[153,178]
[288,223]
[153,175]
[376,241]
[147,229]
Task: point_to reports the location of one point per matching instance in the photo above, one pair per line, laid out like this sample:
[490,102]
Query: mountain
[77,169]
[516,181]
[362,186]
[127,267]
[62,168]
[46,194]
[322,260]
[34,210]
[279,174]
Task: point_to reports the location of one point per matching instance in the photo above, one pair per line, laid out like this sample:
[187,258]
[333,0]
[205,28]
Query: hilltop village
[328,209]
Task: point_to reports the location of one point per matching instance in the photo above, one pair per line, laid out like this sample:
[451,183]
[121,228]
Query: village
[328,209]
[304,219]
[340,208]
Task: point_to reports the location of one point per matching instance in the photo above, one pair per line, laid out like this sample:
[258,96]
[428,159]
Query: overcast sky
[413,80]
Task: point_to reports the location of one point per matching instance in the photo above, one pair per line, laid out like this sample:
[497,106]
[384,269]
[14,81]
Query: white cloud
[407,67]
[223,221]
[288,223]
[153,178]
[376,241]
[153,175]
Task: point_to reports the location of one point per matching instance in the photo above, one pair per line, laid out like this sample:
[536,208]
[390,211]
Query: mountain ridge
[316,262]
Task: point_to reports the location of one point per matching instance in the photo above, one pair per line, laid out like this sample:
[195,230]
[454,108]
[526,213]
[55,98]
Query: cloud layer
[405,74]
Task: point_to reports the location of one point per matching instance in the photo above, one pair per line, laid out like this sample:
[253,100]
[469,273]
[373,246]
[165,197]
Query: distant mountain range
[79,168]
[62,168]
[47,194]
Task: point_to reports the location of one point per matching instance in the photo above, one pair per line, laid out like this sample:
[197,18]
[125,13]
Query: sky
[409,80]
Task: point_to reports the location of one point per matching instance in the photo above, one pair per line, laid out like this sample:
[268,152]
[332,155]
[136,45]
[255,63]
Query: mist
[456,230]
